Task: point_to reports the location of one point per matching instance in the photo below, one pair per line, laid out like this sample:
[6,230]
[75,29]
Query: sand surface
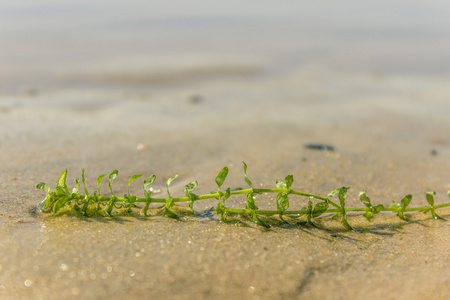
[383,145]
[195,114]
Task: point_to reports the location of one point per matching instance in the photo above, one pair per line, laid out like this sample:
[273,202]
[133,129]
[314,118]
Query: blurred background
[147,44]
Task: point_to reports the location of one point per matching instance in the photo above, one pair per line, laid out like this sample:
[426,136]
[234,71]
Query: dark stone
[321,147]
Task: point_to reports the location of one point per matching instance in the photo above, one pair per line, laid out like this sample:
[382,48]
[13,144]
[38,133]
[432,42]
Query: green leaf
[430,197]
[220,209]
[334,192]
[85,207]
[99,209]
[280,184]
[48,201]
[246,177]
[189,193]
[279,200]
[345,223]
[436,216]
[60,191]
[60,203]
[251,202]
[84,182]
[226,195]
[169,181]
[373,209]
[45,187]
[319,209]
[145,209]
[405,201]
[282,203]
[310,210]
[147,182]
[168,213]
[129,199]
[220,179]
[111,205]
[342,195]
[169,203]
[368,215]
[99,180]
[62,181]
[403,204]
[279,203]
[364,199]
[129,202]
[112,176]
[189,188]
[258,221]
[394,205]
[289,181]
[134,177]
[77,187]
[377,209]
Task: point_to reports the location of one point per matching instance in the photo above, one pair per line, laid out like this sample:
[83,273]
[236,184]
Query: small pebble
[321,147]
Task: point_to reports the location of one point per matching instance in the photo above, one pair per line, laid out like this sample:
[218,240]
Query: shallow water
[194,114]
[88,42]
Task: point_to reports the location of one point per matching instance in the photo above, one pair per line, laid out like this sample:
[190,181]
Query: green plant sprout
[316,205]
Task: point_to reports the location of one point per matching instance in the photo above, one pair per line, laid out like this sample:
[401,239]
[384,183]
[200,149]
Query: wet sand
[190,89]
[390,136]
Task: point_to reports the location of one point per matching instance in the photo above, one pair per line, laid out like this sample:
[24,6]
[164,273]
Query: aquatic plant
[316,205]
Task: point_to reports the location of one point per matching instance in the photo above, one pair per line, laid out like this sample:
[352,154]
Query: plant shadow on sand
[323,227]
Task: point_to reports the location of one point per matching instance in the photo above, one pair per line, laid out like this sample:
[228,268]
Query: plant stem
[316,205]
[338,209]
[305,212]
